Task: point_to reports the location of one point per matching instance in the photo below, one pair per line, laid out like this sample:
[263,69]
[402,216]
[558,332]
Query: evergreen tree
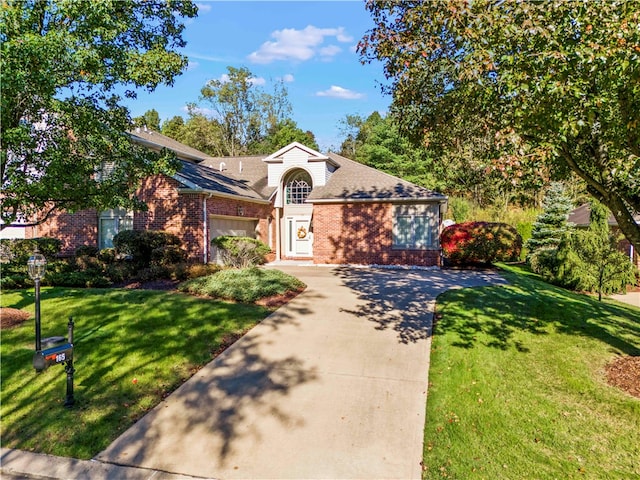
[590,260]
[548,231]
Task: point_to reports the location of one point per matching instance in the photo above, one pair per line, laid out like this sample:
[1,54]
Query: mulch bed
[12,317]
[624,373]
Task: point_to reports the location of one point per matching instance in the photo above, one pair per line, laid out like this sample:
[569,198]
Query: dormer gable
[295,151]
[297,155]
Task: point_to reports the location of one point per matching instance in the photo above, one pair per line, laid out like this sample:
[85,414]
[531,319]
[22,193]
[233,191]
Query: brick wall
[73,230]
[169,211]
[361,234]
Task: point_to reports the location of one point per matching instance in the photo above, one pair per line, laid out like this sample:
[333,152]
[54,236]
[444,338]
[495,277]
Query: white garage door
[230,226]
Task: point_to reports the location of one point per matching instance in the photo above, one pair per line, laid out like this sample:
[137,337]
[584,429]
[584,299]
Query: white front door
[299,240]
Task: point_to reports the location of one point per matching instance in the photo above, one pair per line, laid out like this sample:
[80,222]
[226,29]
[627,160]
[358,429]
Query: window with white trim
[112,222]
[415,226]
[298,187]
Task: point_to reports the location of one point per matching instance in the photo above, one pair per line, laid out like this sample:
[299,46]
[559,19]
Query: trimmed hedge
[473,243]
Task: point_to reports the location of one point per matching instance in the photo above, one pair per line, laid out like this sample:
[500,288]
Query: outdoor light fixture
[37,266]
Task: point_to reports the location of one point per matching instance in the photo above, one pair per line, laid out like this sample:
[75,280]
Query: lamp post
[37,266]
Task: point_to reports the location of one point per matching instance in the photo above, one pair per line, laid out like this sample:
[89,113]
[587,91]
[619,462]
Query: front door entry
[298,236]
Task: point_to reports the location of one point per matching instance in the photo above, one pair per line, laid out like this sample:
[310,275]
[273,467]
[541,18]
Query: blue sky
[310,46]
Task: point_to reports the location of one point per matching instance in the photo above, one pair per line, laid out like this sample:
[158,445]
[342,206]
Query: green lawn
[132,347]
[517,387]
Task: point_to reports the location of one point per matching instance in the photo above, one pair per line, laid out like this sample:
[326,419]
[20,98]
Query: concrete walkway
[332,385]
[630,298]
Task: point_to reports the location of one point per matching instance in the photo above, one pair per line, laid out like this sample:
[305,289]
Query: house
[581,218]
[304,204]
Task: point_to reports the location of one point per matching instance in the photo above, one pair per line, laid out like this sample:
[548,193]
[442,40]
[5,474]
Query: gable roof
[205,179]
[251,170]
[353,181]
[157,141]
[247,176]
[313,156]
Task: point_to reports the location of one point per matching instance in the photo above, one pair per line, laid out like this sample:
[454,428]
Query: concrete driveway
[332,385]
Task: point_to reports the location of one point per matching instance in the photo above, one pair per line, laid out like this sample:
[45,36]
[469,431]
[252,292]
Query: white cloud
[203,7]
[224,78]
[339,92]
[207,112]
[299,45]
[288,78]
[208,58]
[192,65]
[257,80]
[329,51]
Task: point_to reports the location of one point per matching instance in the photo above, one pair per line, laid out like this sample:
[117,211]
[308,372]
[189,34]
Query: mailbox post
[58,351]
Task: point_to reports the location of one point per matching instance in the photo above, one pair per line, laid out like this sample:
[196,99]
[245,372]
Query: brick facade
[362,233]
[167,210]
[73,230]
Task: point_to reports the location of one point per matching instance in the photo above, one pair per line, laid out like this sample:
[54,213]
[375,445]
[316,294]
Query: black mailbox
[43,359]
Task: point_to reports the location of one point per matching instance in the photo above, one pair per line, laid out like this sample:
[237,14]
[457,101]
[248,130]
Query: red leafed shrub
[480,243]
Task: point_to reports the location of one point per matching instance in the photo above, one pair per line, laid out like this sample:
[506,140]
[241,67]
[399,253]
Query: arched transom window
[298,187]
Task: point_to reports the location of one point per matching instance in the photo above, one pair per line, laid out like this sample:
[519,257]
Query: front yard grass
[517,385]
[132,348]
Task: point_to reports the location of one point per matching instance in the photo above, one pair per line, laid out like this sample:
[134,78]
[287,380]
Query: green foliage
[589,260]
[517,386]
[241,252]
[523,91]
[243,285]
[199,132]
[549,230]
[459,209]
[247,113]
[140,244]
[159,339]
[87,251]
[480,243]
[282,134]
[150,119]
[168,255]
[18,251]
[64,133]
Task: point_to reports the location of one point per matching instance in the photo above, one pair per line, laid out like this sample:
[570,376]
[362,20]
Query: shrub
[241,252]
[19,250]
[480,243]
[243,285]
[107,255]
[168,255]
[140,244]
[87,251]
[200,270]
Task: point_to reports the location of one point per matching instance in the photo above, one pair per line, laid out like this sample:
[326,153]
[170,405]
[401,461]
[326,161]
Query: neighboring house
[303,204]
[581,218]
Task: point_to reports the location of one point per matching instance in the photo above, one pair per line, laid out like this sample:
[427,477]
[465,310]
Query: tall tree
[61,122]
[150,119]
[243,109]
[281,135]
[561,79]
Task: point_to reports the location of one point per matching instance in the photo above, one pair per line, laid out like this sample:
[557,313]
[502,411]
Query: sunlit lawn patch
[132,347]
[518,389]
